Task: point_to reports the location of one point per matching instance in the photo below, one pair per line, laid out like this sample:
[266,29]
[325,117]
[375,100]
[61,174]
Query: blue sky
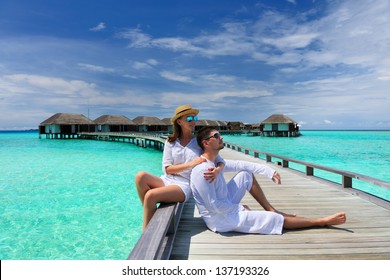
[326,64]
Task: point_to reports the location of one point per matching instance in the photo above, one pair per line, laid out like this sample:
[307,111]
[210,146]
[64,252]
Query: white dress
[174,153]
[219,202]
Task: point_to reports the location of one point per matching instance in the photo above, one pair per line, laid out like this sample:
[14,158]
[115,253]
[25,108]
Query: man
[218,202]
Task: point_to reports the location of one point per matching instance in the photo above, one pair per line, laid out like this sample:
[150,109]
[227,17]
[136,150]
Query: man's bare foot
[336,219]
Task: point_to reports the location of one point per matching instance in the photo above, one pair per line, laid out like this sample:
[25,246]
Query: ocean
[364,152]
[76,199]
[70,199]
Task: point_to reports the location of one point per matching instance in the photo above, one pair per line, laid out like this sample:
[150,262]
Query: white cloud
[51,84]
[293,41]
[101,26]
[343,36]
[175,77]
[148,64]
[96,68]
[137,38]
[137,65]
[152,61]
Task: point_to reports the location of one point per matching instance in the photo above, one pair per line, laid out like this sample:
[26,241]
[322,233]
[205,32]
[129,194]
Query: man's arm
[256,168]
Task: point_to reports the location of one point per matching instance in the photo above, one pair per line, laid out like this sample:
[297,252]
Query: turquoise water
[76,199]
[70,199]
[364,152]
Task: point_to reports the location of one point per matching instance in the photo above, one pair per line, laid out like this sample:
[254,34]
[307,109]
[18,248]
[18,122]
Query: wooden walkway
[366,235]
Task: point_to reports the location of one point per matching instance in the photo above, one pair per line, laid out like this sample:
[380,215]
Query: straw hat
[183,110]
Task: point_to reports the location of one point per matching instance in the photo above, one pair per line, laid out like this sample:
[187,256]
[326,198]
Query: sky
[325,64]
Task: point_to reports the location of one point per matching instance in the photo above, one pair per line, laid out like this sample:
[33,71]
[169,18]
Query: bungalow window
[274,127]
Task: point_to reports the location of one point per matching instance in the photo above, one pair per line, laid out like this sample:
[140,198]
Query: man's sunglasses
[216,135]
[192,118]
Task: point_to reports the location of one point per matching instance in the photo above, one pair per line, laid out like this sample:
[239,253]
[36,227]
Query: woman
[181,154]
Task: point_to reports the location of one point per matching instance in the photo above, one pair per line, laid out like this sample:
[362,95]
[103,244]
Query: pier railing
[310,167]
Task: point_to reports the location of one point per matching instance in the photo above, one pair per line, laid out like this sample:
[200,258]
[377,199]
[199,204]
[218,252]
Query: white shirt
[220,212]
[174,153]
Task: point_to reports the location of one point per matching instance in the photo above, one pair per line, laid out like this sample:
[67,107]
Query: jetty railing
[310,167]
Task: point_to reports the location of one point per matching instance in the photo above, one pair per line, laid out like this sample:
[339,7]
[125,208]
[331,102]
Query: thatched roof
[166,121]
[235,123]
[142,120]
[222,123]
[278,118]
[62,118]
[113,120]
[207,123]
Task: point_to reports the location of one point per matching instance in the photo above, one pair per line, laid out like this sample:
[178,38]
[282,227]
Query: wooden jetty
[178,232]
[366,235]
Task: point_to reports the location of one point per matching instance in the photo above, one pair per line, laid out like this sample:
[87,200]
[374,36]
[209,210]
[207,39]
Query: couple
[188,159]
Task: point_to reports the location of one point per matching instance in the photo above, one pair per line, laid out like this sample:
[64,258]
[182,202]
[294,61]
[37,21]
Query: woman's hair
[176,132]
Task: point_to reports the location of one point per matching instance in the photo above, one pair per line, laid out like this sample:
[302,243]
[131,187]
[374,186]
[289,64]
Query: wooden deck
[366,235]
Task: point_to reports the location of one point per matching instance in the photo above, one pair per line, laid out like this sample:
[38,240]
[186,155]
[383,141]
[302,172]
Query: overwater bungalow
[150,124]
[235,126]
[279,125]
[63,125]
[112,123]
[222,125]
[201,123]
[168,123]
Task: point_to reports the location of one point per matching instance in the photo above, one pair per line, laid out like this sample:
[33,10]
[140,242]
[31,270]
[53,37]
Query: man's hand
[276,178]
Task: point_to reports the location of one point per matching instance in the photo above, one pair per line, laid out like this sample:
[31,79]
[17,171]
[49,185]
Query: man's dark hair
[202,134]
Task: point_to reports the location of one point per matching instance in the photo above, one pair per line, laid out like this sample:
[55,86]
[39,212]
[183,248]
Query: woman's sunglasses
[216,135]
[192,118]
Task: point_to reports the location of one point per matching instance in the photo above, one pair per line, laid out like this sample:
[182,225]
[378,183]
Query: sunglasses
[192,118]
[216,135]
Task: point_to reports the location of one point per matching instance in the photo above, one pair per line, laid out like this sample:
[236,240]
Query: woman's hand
[197,161]
[212,174]
[276,178]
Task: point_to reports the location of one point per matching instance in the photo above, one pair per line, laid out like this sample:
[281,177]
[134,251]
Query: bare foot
[336,219]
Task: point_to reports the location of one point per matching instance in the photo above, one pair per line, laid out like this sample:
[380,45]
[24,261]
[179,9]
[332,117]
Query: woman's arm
[177,168]
[168,162]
